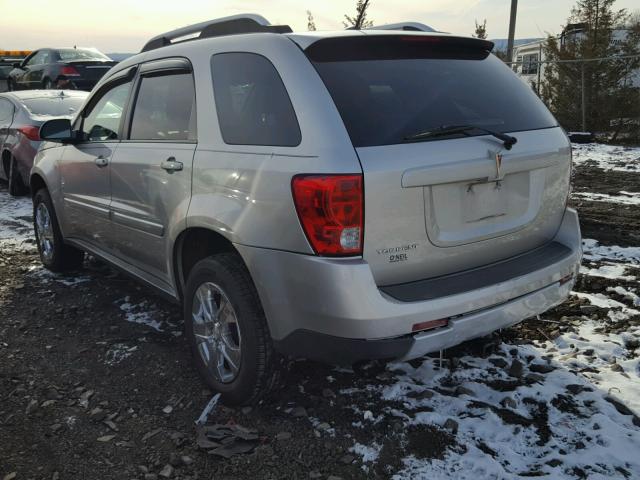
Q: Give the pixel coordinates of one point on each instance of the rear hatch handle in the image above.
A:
(481, 169)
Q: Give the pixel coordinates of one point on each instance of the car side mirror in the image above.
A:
(17, 65)
(57, 130)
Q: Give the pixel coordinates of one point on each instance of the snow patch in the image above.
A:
(594, 251)
(625, 198)
(607, 157)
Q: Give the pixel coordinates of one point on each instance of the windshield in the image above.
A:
(53, 106)
(383, 101)
(73, 54)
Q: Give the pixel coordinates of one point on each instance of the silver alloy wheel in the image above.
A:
(44, 229)
(217, 333)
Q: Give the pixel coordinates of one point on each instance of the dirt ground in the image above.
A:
(96, 381)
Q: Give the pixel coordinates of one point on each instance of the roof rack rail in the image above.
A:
(406, 26)
(232, 25)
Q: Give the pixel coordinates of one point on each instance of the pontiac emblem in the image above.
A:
(498, 166)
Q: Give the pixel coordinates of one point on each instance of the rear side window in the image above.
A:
(165, 109)
(389, 88)
(252, 103)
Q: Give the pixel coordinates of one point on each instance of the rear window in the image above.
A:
(53, 106)
(75, 54)
(389, 88)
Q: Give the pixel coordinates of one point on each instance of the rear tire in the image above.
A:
(16, 183)
(241, 332)
(47, 84)
(54, 253)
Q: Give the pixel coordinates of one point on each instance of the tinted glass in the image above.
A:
(53, 106)
(165, 109)
(384, 100)
(103, 121)
(252, 102)
(6, 112)
(71, 54)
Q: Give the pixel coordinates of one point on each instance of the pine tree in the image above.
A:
(608, 93)
(311, 23)
(481, 29)
(359, 21)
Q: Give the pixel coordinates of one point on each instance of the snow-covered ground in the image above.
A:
(607, 157)
(16, 226)
(563, 407)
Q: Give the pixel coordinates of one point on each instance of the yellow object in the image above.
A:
(15, 53)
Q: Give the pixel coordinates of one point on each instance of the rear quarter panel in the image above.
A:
(244, 191)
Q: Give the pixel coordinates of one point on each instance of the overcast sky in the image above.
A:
(125, 25)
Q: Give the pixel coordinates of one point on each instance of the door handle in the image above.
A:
(101, 161)
(171, 165)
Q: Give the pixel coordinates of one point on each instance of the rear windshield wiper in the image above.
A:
(444, 130)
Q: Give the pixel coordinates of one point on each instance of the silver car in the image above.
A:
(21, 115)
(373, 194)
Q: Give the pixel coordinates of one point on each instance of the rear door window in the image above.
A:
(165, 109)
(252, 103)
(389, 88)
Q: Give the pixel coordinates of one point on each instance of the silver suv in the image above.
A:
(376, 194)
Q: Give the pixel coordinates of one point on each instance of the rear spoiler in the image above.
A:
(388, 46)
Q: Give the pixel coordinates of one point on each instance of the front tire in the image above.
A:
(54, 253)
(227, 331)
(16, 183)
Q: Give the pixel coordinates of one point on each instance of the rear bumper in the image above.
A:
(332, 310)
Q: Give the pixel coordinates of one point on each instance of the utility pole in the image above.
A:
(512, 29)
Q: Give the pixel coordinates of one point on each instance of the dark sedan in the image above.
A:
(68, 68)
(21, 114)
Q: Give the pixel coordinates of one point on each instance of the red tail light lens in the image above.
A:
(331, 211)
(69, 72)
(31, 132)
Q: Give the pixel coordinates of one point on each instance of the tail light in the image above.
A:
(31, 132)
(331, 211)
(68, 71)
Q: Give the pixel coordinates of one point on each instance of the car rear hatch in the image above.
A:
(446, 201)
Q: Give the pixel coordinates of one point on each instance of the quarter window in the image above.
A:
(102, 122)
(252, 103)
(165, 109)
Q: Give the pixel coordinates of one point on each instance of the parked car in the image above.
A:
(21, 114)
(346, 196)
(68, 68)
(7, 59)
